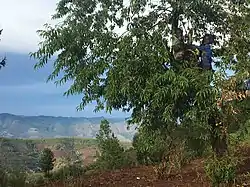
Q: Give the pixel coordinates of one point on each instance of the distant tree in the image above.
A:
(3, 61)
(47, 161)
(73, 156)
(111, 152)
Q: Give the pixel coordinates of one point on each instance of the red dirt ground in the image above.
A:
(191, 175)
(88, 153)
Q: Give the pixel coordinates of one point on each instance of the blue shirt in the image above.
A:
(206, 56)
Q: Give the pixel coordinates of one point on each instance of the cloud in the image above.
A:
(22, 89)
(20, 21)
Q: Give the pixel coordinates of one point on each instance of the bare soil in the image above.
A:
(192, 175)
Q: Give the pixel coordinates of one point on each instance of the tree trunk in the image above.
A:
(219, 145)
(218, 138)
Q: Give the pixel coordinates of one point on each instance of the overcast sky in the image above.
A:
(22, 89)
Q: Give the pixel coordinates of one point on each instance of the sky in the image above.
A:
(23, 90)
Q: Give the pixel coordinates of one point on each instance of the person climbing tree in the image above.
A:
(181, 49)
(206, 52)
(178, 45)
(202, 53)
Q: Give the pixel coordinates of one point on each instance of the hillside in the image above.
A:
(18, 153)
(16, 126)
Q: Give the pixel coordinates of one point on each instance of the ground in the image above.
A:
(87, 147)
(191, 175)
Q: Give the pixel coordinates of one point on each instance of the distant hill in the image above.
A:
(17, 126)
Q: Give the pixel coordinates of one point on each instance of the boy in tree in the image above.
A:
(206, 52)
(178, 45)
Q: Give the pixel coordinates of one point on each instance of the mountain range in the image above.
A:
(30, 127)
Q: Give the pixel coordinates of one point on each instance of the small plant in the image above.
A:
(149, 146)
(221, 170)
(35, 179)
(197, 147)
(130, 157)
(68, 171)
(173, 160)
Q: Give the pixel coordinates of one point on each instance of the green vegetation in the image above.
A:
(221, 170)
(111, 154)
(150, 147)
(46, 161)
(19, 154)
(183, 111)
(146, 149)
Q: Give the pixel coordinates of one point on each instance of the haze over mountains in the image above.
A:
(17, 126)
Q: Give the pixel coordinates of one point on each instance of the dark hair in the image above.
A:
(210, 37)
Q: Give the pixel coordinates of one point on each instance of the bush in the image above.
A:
(17, 179)
(3, 178)
(197, 147)
(149, 146)
(130, 158)
(68, 171)
(12, 178)
(175, 157)
(35, 179)
(221, 170)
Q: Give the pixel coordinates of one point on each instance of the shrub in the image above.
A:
(197, 147)
(221, 170)
(174, 158)
(3, 178)
(35, 179)
(12, 178)
(68, 171)
(149, 147)
(16, 178)
(130, 158)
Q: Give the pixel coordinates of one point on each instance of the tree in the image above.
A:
(123, 71)
(150, 147)
(47, 161)
(111, 152)
(73, 157)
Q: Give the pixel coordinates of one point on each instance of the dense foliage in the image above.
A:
(113, 53)
(111, 154)
(46, 161)
(150, 147)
